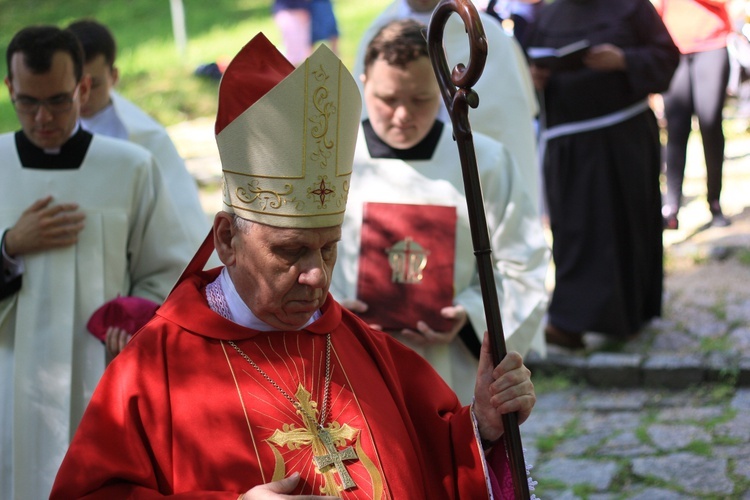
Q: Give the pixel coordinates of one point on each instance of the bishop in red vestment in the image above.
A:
(252, 380)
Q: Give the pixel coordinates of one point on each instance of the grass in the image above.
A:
(154, 74)
(548, 442)
(544, 383)
(744, 257)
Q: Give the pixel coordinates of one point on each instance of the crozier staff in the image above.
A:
(458, 95)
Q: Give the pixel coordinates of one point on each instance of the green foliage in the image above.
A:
(741, 481)
(641, 432)
(550, 383)
(700, 448)
(743, 256)
(714, 344)
(699, 258)
(153, 72)
(583, 490)
(548, 442)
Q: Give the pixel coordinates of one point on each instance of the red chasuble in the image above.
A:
(179, 411)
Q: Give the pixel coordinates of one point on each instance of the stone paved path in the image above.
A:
(666, 416)
(640, 443)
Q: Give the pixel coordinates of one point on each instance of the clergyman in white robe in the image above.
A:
(519, 252)
(124, 120)
(507, 101)
(132, 244)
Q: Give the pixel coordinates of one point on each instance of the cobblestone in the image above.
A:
(689, 472)
(679, 427)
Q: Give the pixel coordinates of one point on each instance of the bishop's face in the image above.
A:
(402, 103)
(282, 274)
(49, 126)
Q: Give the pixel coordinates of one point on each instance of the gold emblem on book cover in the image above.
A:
(408, 260)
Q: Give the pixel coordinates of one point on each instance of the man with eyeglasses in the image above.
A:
(84, 219)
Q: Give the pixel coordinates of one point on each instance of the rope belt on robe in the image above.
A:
(581, 126)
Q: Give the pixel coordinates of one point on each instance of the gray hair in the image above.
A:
(242, 225)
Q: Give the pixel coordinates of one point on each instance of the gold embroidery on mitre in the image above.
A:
(324, 443)
(264, 198)
(407, 259)
(320, 122)
(300, 131)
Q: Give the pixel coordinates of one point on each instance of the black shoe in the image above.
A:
(569, 340)
(717, 216)
(719, 220)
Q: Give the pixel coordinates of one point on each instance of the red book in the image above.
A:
(406, 264)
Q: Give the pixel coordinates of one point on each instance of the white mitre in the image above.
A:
(286, 136)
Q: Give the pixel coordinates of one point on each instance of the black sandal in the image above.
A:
(558, 337)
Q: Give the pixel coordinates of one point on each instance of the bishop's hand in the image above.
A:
(505, 388)
(279, 489)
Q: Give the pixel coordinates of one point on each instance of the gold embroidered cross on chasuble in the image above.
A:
(322, 437)
(324, 441)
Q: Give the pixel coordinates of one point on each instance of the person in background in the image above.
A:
(508, 103)
(514, 15)
(84, 219)
(602, 164)
(405, 154)
(293, 19)
(252, 381)
(110, 114)
(324, 27)
(698, 88)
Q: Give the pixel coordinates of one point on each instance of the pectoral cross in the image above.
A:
(336, 458)
(326, 455)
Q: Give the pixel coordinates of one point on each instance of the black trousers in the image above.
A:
(697, 88)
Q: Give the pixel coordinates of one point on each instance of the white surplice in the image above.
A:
(507, 100)
(519, 250)
(132, 244)
(141, 129)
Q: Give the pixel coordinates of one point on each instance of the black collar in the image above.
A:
(422, 151)
(71, 153)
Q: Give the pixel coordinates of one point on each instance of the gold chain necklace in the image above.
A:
(334, 456)
(326, 385)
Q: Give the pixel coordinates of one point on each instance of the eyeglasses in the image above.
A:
(58, 104)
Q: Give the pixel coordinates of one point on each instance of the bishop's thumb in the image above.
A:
(285, 485)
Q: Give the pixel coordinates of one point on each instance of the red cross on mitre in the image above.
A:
(322, 191)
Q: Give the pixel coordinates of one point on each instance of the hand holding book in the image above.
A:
(605, 57)
(425, 335)
(568, 57)
(406, 265)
